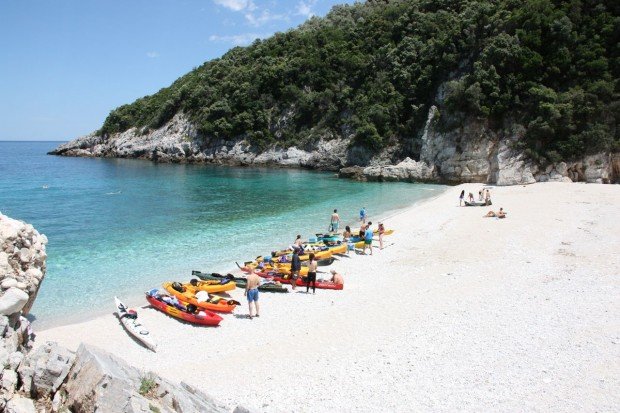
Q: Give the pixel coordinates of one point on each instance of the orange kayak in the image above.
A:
(215, 303)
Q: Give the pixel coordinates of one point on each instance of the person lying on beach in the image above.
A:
(492, 214)
(336, 278)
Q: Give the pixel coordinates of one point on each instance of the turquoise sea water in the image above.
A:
(120, 227)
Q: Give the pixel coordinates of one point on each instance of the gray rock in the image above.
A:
(8, 381)
(20, 404)
(13, 301)
(44, 370)
(25, 255)
(15, 359)
(4, 325)
(8, 283)
(101, 382)
(4, 356)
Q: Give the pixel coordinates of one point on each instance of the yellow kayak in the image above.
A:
(210, 286)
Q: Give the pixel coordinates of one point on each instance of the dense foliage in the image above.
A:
(376, 68)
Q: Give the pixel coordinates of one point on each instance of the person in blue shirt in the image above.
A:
(363, 215)
(368, 238)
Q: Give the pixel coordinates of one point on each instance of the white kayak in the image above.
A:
(133, 326)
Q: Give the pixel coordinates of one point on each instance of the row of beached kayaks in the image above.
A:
(198, 302)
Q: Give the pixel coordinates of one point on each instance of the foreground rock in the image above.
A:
(101, 382)
(22, 265)
(54, 379)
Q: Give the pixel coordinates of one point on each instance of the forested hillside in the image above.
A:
(375, 69)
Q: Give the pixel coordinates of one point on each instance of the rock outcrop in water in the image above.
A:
(51, 378)
(471, 153)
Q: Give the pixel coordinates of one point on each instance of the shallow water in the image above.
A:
(120, 227)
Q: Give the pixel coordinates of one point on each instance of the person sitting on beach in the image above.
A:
(336, 278)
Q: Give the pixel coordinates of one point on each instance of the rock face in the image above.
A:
(52, 376)
(22, 265)
(178, 141)
(465, 151)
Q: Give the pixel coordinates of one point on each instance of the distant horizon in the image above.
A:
(64, 69)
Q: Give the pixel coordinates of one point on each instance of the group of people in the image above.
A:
(484, 198)
(365, 233)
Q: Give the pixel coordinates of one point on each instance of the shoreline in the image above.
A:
(459, 312)
(70, 319)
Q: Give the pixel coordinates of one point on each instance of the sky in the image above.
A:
(65, 64)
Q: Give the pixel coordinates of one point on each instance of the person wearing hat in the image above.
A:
(337, 278)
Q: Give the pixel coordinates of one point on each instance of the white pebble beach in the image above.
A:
(457, 313)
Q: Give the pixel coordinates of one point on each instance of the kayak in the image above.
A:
(219, 304)
(467, 203)
(319, 253)
(284, 268)
(339, 248)
(129, 320)
(322, 284)
(203, 317)
(211, 286)
(270, 287)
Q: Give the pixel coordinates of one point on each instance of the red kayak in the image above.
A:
(324, 285)
(204, 317)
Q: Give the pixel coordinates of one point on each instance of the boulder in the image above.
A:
(8, 283)
(20, 404)
(101, 382)
(13, 301)
(44, 370)
(8, 383)
(15, 359)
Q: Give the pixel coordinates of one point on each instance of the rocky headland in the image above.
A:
(52, 378)
(471, 153)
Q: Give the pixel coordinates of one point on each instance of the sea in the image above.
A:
(123, 226)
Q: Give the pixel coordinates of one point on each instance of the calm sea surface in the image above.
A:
(120, 227)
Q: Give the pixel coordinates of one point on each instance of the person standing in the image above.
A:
(334, 222)
(312, 265)
(368, 238)
(381, 232)
(346, 238)
(363, 215)
(462, 197)
(251, 292)
(295, 268)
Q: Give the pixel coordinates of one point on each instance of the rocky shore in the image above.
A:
(472, 152)
(52, 378)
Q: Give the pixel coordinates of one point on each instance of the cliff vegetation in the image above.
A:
(372, 71)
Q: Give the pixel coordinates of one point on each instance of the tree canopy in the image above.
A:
(375, 69)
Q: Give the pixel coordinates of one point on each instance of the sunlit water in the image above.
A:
(120, 227)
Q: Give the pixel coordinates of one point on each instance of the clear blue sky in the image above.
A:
(65, 64)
